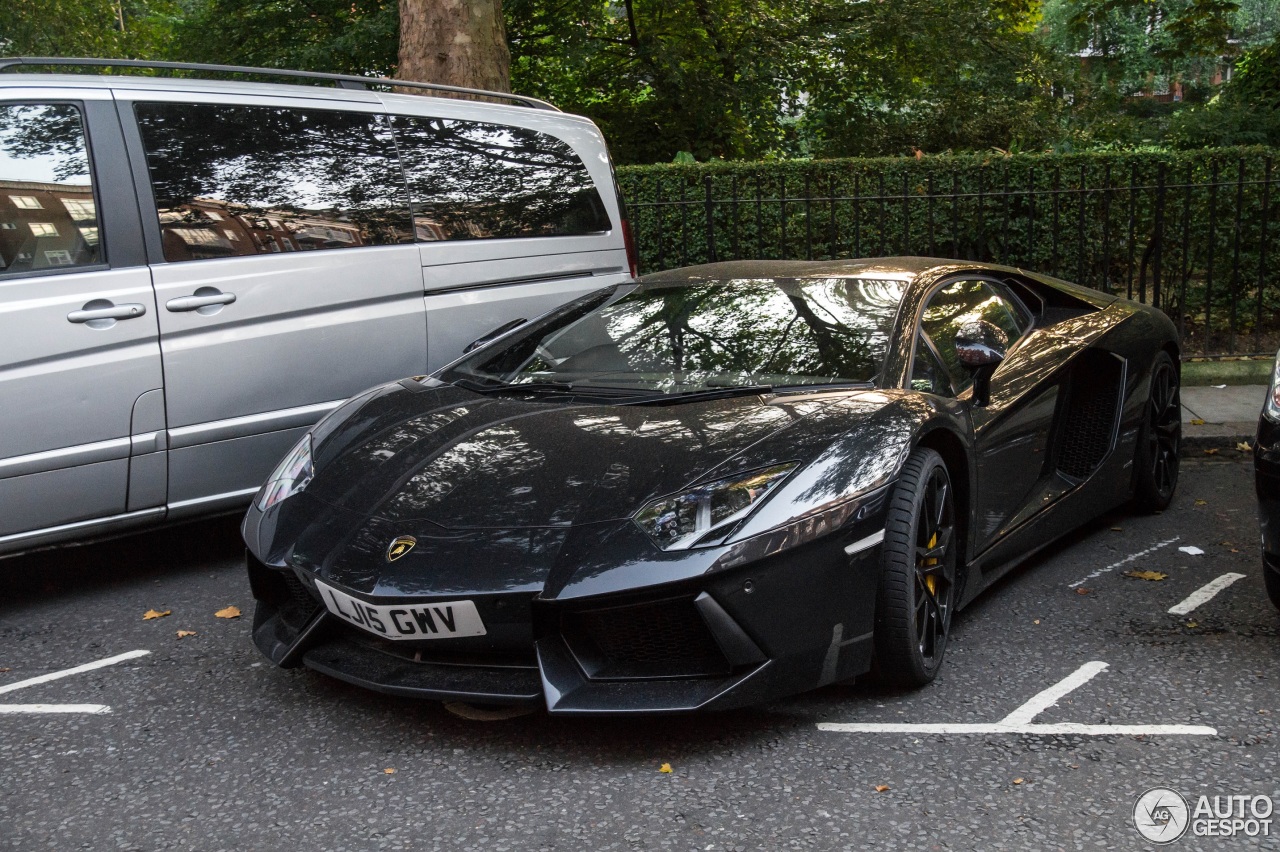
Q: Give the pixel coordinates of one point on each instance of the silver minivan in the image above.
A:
(194, 271)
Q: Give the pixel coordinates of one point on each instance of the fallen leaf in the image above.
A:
(1017, 780)
(1083, 591)
(1037, 621)
(1234, 550)
(1212, 452)
(1117, 529)
(226, 612)
(2, 671)
(183, 634)
(1146, 575)
(666, 767)
(1244, 447)
(389, 771)
(882, 788)
(1197, 422)
(152, 613)
(1193, 624)
(1202, 502)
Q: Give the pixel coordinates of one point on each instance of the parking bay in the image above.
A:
(205, 746)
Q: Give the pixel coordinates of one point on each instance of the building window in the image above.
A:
(43, 229)
(26, 202)
(61, 257)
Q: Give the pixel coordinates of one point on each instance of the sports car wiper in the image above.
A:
(507, 387)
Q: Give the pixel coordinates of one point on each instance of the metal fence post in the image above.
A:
(709, 205)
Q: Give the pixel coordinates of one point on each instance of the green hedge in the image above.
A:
(1150, 225)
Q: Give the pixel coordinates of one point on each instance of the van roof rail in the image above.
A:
(342, 81)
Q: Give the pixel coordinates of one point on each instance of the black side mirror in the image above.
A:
(980, 347)
(493, 335)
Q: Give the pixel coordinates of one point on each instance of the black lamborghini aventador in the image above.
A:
(718, 485)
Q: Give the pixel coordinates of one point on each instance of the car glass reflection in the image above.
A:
(48, 218)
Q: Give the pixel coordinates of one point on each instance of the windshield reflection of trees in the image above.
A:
(731, 332)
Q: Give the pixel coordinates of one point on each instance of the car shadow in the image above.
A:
(78, 569)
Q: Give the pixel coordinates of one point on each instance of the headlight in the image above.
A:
(289, 477)
(1272, 407)
(678, 522)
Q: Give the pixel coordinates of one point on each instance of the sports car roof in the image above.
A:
(896, 267)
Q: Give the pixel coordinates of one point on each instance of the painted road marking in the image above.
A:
(1205, 593)
(12, 709)
(46, 678)
(1125, 561)
(1042, 701)
(1020, 720)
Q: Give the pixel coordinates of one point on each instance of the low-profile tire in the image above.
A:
(917, 591)
(1155, 463)
(1271, 579)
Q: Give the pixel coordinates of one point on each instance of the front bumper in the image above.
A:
(782, 624)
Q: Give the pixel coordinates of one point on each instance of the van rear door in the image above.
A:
(514, 209)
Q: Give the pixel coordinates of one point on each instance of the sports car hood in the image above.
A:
(411, 451)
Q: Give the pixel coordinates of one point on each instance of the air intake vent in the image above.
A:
(1092, 405)
(658, 639)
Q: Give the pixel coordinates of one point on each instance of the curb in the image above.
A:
(1196, 445)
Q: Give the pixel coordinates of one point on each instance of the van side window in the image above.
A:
(240, 180)
(472, 181)
(48, 219)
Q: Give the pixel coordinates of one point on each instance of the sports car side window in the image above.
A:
(927, 373)
(960, 302)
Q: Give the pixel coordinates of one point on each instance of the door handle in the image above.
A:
(206, 300)
(102, 313)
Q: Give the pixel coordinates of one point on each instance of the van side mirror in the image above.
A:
(980, 347)
(488, 337)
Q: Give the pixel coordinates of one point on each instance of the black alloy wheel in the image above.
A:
(917, 592)
(1156, 464)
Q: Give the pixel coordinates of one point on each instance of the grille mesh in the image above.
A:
(658, 639)
(1090, 417)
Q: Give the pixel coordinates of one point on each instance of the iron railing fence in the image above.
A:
(1194, 239)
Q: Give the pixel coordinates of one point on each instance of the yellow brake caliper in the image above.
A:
(931, 581)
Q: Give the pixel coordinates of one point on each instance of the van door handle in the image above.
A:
(102, 313)
(205, 300)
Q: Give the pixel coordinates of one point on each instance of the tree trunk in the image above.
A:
(455, 42)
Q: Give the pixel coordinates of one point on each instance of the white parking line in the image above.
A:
(1113, 566)
(11, 709)
(1019, 721)
(1205, 593)
(1042, 701)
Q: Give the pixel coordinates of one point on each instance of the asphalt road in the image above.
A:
(208, 747)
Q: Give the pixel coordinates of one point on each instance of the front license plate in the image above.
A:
(405, 621)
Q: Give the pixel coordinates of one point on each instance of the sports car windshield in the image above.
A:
(702, 336)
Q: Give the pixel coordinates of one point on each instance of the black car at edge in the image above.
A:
(716, 486)
(1266, 473)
